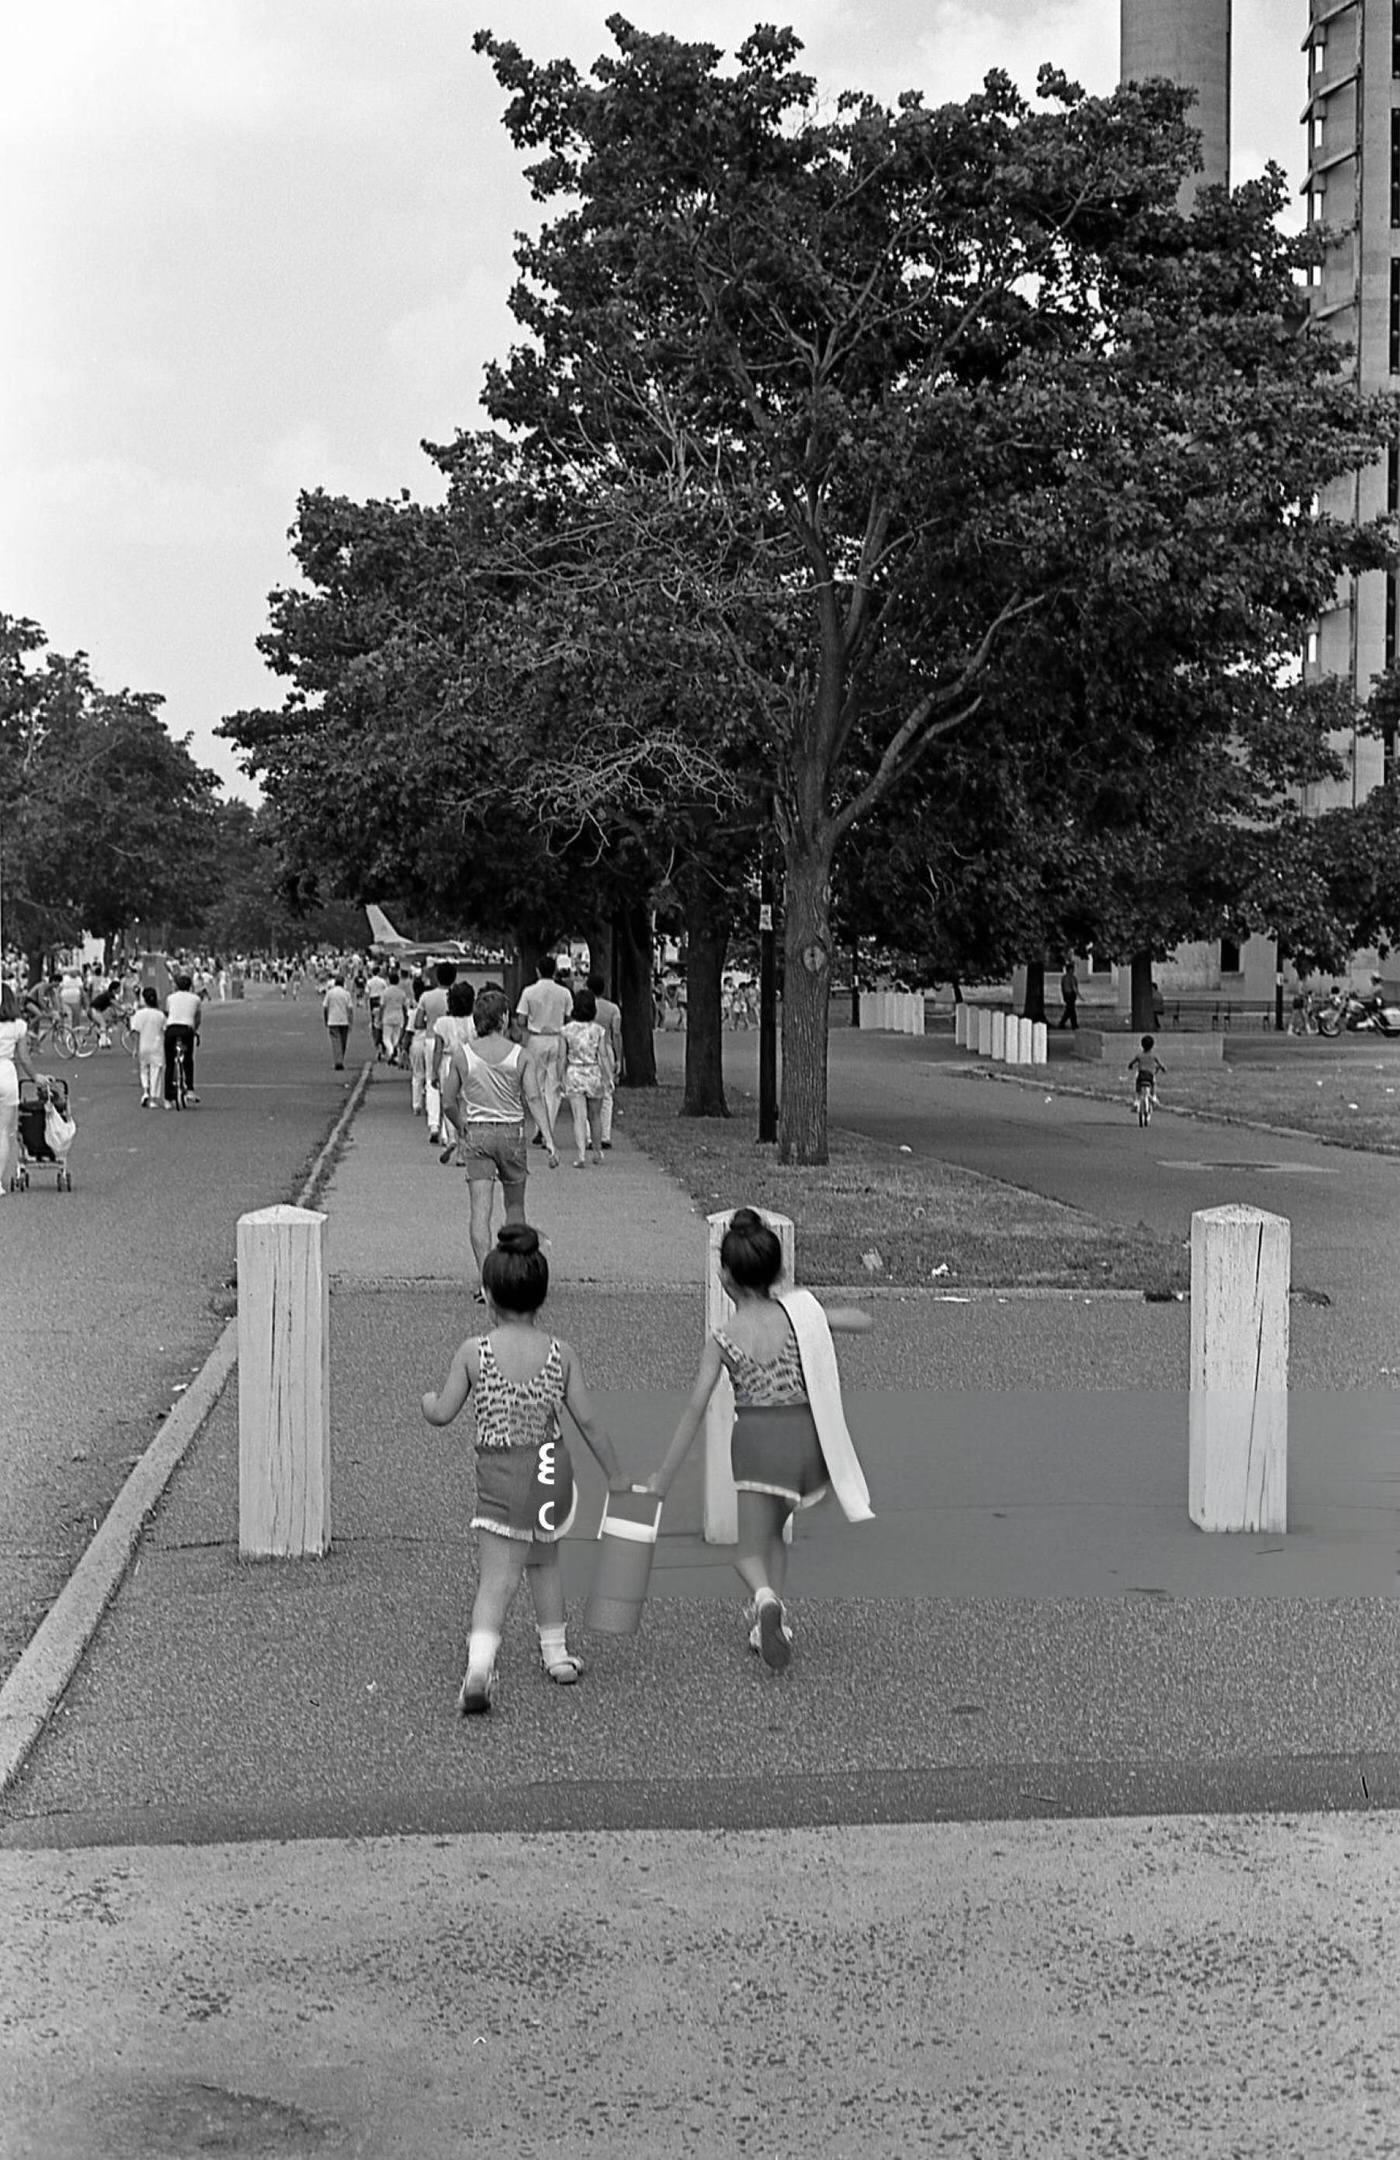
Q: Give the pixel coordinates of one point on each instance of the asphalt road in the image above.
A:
(111, 1296)
(1343, 1205)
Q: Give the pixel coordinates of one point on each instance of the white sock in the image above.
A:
(481, 1650)
(552, 1645)
(763, 1597)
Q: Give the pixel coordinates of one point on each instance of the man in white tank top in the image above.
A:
(487, 1086)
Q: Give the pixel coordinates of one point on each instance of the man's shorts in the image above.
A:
(490, 1151)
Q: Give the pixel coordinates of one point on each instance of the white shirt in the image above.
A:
(149, 1024)
(182, 1009)
(544, 1007)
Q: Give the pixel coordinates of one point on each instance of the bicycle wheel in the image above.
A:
(85, 1038)
(128, 1038)
(63, 1040)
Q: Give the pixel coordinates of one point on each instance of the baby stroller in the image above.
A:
(37, 1151)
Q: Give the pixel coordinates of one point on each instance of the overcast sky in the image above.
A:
(251, 246)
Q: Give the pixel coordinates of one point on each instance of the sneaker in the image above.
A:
(448, 1153)
(773, 1645)
(755, 1642)
(607, 1147)
(474, 1695)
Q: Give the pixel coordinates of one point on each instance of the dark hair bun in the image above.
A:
(518, 1237)
(746, 1218)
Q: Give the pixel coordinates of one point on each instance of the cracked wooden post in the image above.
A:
(1238, 1478)
(284, 1438)
(721, 1500)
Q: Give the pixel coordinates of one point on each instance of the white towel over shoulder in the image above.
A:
(823, 1383)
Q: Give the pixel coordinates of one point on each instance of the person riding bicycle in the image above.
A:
(1145, 1066)
(182, 1010)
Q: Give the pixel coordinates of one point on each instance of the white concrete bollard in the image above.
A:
(284, 1429)
(920, 1017)
(1040, 1043)
(998, 1034)
(721, 1501)
(984, 1032)
(960, 1024)
(1014, 1053)
(1238, 1478)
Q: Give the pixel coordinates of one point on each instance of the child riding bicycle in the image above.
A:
(1145, 1066)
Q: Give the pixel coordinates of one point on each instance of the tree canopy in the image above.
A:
(104, 816)
(961, 397)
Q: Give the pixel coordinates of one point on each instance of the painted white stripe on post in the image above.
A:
(1238, 1476)
(721, 1500)
(284, 1439)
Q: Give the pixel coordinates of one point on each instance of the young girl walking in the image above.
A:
(790, 1444)
(525, 1492)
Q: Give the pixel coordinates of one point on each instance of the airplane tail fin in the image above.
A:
(381, 929)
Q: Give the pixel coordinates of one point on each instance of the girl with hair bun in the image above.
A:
(790, 1445)
(525, 1491)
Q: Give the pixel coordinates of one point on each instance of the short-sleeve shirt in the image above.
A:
(149, 1024)
(339, 1005)
(182, 1009)
(544, 1007)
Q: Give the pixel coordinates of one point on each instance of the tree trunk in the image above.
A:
(806, 991)
(1143, 1021)
(707, 941)
(1034, 1006)
(598, 935)
(633, 994)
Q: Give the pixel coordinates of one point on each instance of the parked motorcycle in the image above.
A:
(1359, 1016)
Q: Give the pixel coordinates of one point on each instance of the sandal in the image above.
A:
(565, 1670)
(474, 1695)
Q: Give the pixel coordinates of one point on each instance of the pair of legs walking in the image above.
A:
(588, 1127)
(503, 1561)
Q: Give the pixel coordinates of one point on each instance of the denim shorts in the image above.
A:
(490, 1151)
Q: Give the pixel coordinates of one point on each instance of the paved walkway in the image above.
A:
(814, 1894)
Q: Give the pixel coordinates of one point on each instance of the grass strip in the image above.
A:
(1345, 1096)
(874, 1214)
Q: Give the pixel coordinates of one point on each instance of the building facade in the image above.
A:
(1353, 121)
(1187, 42)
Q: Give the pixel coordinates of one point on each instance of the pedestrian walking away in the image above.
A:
(610, 1020)
(1069, 992)
(544, 1007)
(431, 1007)
(585, 1042)
(487, 1087)
(526, 1497)
(393, 1013)
(456, 1026)
(14, 1066)
(149, 1024)
(338, 1006)
(790, 1445)
(375, 987)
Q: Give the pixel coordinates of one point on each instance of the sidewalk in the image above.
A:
(1030, 1628)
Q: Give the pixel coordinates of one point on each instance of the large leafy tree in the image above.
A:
(935, 377)
(104, 816)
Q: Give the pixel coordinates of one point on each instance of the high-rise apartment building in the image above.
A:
(1188, 42)
(1353, 122)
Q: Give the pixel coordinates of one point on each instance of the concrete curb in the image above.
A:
(49, 1660)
